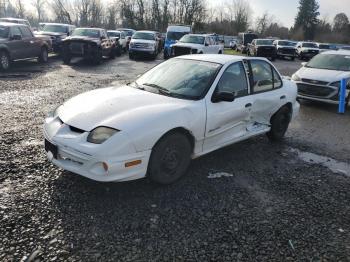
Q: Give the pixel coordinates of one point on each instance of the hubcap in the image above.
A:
(170, 160)
(4, 61)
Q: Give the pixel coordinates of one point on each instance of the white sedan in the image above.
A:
(319, 79)
(181, 109)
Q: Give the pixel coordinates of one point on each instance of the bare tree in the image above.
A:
(60, 9)
(240, 13)
(263, 23)
(19, 5)
(39, 8)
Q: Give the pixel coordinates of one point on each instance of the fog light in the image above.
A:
(133, 163)
(105, 166)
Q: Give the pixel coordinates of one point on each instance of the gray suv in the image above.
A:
(17, 42)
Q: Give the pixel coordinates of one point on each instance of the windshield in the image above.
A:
(93, 33)
(264, 42)
(55, 28)
(324, 47)
(286, 43)
(175, 35)
(113, 34)
(311, 45)
(330, 62)
(4, 32)
(193, 78)
(193, 39)
(143, 35)
(127, 32)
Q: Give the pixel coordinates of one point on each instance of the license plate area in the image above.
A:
(49, 147)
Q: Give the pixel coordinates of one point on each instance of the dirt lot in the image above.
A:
(253, 201)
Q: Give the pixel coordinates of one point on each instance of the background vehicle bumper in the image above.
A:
(141, 51)
(324, 100)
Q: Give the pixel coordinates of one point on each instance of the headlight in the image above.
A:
(131, 44)
(296, 78)
(101, 134)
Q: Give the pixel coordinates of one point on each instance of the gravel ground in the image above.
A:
(253, 201)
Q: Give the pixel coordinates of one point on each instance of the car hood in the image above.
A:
(50, 33)
(143, 41)
(285, 46)
(190, 45)
(309, 48)
(81, 38)
(322, 74)
(117, 107)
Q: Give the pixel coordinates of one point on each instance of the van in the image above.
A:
(173, 34)
(244, 40)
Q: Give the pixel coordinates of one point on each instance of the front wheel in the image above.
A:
(170, 158)
(44, 56)
(279, 124)
(4, 61)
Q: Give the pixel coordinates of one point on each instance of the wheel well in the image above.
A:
(6, 51)
(183, 131)
(288, 105)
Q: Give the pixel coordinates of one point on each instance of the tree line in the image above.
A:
(228, 17)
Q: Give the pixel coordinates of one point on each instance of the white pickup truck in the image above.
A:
(196, 44)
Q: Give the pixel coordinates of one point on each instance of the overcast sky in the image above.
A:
(286, 10)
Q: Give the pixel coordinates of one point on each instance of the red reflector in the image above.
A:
(133, 163)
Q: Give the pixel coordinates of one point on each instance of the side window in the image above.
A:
(15, 31)
(262, 76)
(234, 80)
(277, 83)
(122, 34)
(26, 32)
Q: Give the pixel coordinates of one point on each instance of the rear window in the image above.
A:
(311, 45)
(143, 35)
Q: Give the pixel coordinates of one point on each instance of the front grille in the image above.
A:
(315, 82)
(179, 50)
(140, 45)
(77, 48)
(313, 90)
(288, 51)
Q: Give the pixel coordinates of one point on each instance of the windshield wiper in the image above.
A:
(136, 85)
(167, 92)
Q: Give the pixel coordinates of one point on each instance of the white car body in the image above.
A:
(209, 46)
(144, 46)
(143, 118)
(121, 38)
(285, 50)
(306, 52)
(318, 84)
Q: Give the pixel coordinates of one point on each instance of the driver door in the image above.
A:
(227, 121)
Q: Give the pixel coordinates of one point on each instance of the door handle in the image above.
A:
(248, 105)
(283, 97)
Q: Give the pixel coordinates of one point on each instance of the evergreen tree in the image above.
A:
(307, 18)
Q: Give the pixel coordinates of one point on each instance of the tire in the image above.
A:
(112, 54)
(44, 55)
(118, 51)
(5, 61)
(170, 159)
(131, 56)
(98, 57)
(220, 52)
(292, 58)
(66, 57)
(279, 124)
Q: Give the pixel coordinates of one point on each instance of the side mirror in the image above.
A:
(304, 64)
(223, 96)
(16, 37)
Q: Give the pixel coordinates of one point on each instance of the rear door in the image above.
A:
(268, 94)
(32, 44)
(227, 121)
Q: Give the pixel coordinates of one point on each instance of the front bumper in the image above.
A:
(71, 157)
(141, 51)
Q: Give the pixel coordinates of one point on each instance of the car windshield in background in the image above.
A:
(193, 39)
(113, 34)
(175, 35)
(55, 28)
(128, 32)
(286, 43)
(324, 47)
(142, 35)
(311, 45)
(264, 42)
(193, 78)
(93, 33)
(330, 62)
(4, 32)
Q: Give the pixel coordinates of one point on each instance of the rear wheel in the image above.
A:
(279, 124)
(112, 53)
(170, 159)
(4, 61)
(98, 57)
(44, 56)
(131, 56)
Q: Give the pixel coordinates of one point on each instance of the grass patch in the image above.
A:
(232, 52)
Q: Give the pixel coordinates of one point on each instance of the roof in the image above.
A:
(11, 24)
(114, 31)
(56, 24)
(146, 31)
(14, 19)
(93, 28)
(216, 58)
